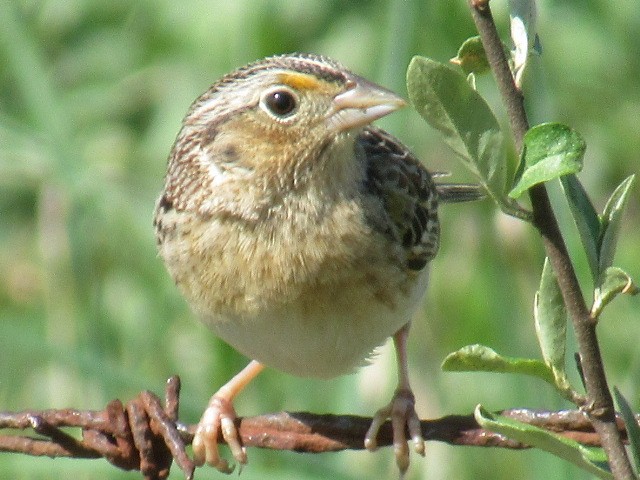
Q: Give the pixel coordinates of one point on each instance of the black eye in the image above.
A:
(280, 102)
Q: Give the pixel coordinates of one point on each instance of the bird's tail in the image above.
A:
(459, 192)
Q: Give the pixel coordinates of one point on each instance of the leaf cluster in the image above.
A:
(449, 102)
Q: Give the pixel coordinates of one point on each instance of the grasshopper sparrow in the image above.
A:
(297, 232)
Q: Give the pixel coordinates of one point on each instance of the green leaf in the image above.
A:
(613, 282)
(586, 219)
(481, 358)
(631, 424)
(550, 317)
(471, 57)
(610, 223)
(550, 150)
(592, 460)
(446, 101)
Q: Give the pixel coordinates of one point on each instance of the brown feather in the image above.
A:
(408, 193)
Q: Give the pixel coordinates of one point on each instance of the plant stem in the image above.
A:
(599, 405)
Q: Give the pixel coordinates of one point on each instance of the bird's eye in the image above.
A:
(280, 103)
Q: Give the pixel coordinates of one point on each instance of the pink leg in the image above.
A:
(401, 411)
(220, 416)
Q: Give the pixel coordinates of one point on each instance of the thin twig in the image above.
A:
(599, 405)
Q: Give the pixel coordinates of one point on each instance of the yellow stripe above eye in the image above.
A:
(300, 81)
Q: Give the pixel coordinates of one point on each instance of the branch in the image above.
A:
(143, 435)
(599, 405)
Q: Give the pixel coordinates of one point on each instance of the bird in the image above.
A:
(299, 233)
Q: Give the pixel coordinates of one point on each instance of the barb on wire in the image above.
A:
(141, 435)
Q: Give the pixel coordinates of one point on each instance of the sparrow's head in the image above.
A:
(271, 123)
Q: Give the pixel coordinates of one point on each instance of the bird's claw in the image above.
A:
(218, 417)
(401, 410)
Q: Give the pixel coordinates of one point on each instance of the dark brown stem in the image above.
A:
(599, 404)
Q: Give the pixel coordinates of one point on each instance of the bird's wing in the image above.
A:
(408, 194)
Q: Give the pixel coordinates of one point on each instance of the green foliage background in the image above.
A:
(91, 96)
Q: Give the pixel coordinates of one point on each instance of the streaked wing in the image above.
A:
(408, 194)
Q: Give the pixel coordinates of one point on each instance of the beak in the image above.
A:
(361, 104)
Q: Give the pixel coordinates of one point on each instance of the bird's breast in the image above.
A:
(311, 291)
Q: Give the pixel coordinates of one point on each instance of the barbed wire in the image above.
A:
(144, 434)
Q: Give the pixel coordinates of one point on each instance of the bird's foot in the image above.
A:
(219, 417)
(402, 413)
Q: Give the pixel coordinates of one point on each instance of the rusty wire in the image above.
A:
(145, 435)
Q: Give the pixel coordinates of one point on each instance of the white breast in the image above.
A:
(331, 332)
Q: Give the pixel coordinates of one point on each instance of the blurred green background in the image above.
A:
(92, 94)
